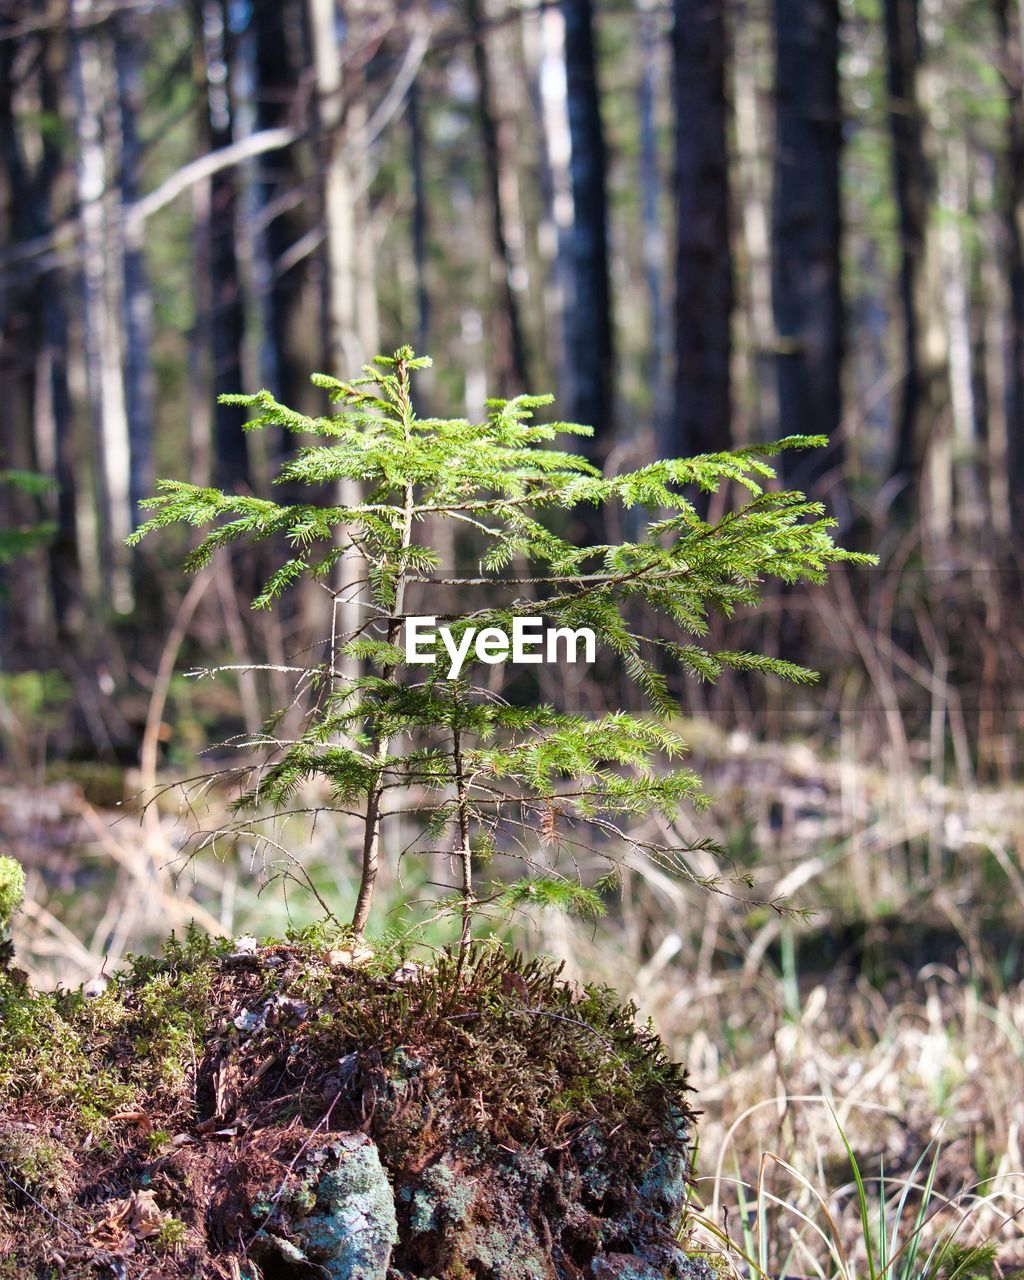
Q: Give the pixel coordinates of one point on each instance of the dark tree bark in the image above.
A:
(18, 631)
(925, 394)
(509, 346)
(16, 311)
(278, 27)
(806, 281)
(419, 222)
(140, 391)
(53, 393)
(1011, 198)
(225, 324)
(703, 307)
(34, 329)
(589, 343)
(651, 184)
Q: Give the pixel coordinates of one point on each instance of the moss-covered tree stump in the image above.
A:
(238, 1111)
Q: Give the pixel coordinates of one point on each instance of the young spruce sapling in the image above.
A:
(480, 773)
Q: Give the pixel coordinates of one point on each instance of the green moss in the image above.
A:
(169, 1019)
(91, 1058)
(12, 888)
(12, 1269)
(178, 955)
(707, 1264)
(35, 1163)
(45, 1055)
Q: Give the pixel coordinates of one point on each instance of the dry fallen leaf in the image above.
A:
(347, 957)
(226, 1087)
(146, 1218)
(111, 1230)
(136, 1218)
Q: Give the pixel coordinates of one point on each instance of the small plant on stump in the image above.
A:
(487, 774)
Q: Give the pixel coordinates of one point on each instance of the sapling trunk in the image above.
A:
(382, 745)
(465, 852)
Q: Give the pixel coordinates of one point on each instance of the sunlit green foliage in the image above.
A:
(23, 538)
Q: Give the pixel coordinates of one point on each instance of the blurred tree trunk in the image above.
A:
(957, 275)
(755, 380)
(102, 293)
(224, 323)
(990, 292)
(286, 357)
(806, 277)
(362, 22)
(925, 391)
(53, 409)
(543, 40)
(1011, 201)
(343, 343)
(140, 391)
(37, 431)
(703, 307)
(20, 628)
(507, 342)
(419, 221)
(344, 350)
(200, 378)
(15, 228)
(589, 328)
(652, 193)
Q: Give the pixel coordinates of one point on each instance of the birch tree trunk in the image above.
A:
(200, 417)
(420, 216)
(956, 280)
(103, 336)
(343, 343)
(360, 19)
